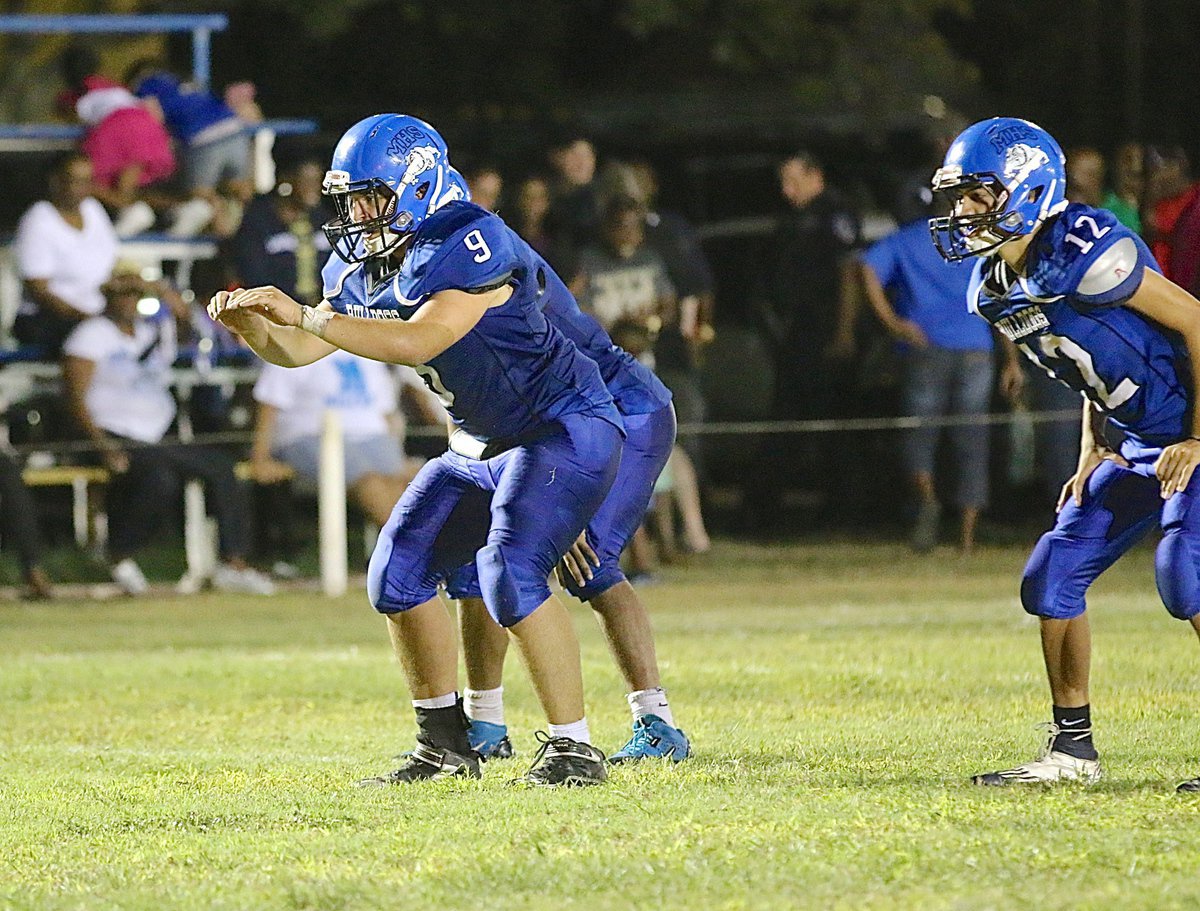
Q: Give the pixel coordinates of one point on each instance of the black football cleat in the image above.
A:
(1191, 786)
(426, 763)
(561, 762)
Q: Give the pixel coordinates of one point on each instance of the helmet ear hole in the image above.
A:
(1035, 194)
(422, 191)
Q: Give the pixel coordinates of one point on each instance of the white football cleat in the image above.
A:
(1052, 766)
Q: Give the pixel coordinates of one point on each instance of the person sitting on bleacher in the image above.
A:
(287, 432)
(127, 144)
(19, 524)
(65, 249)
(115, 369)
(214, 141)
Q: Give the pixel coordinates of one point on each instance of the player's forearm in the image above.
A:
(1091, 428)
(1191, 339)
(284, 346)
(391, 341)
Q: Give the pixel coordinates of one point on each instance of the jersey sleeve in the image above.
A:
(477, 256)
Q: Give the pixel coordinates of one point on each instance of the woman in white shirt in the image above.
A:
(65, 250)
(116, 371)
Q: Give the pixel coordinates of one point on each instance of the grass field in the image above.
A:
(198, 753)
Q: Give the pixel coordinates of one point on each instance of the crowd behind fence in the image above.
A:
(833, 361)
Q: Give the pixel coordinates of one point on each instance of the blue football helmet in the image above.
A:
(456, 188)
(388, 174)
(1015, 161)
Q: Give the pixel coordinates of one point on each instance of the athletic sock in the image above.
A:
(442, 726)
(576, 730)
(1074, 732)
(650, 702)
(485, 705)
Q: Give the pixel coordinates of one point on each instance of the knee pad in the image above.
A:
(513, 586)
(1052, 585)
(1177, 573)
(393, 582)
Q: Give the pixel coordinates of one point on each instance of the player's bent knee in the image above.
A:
(513, 586)
(604, 578)
(1177, 573)
(392, 585)
(1048, 586)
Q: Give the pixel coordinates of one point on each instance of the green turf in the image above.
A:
(198, 753)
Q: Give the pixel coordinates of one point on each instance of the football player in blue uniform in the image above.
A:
(591, 570)
(1081, 296)
(446, 287)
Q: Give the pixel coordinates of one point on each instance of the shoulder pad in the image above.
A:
(463, 247)
(1108, 270)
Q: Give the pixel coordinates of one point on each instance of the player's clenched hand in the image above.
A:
(1089, 461)
(233, 319)
(268, 301)
(578, 562)
(1175, 466)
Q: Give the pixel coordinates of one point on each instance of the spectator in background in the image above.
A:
(486, 186)
(1124, 200)
(65, 249)
(19, 528)
(812, 301)
(1173, 198)
(279, 241)
(677, 350)
(624, 284)
(574, 219)
(808, 311)
(115, 369)
(287, 431)
(531, 218)
(128, 146)
(1085, 176)
(215, 142)
(949, 367)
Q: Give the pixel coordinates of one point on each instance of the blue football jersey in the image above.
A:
(1066, 315)
(514, 371)
(633, 385)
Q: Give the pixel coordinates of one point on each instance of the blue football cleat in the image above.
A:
(489, 740)
(653, 738)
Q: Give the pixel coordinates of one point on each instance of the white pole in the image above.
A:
(331, 506)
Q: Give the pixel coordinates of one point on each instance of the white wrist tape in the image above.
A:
(315, 321)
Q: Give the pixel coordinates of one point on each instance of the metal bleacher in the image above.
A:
(50, 136)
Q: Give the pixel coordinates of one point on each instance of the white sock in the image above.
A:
(576, 730)
(651, 702)
(485, 705)
(437, 702)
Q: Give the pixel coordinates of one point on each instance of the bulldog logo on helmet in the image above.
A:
(1022, 160)
(419, 160)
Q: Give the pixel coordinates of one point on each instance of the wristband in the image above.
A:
(314, 321)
